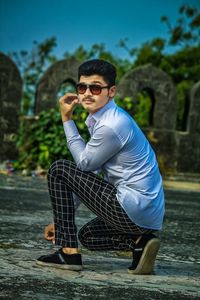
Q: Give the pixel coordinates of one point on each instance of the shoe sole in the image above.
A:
(147, 260)
(59, 266)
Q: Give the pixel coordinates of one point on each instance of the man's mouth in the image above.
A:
(88, 101)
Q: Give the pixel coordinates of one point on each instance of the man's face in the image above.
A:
(92, 102)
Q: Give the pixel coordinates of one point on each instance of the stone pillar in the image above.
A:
(10, 97)
(160, 84)
(49, 84)
(161, 133)
(188, 146)
(194, 113)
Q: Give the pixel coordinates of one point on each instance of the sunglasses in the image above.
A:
(95, 89)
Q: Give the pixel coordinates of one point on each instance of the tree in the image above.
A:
(183, 65)
(186, 31)
(32, 65)
(99, 51)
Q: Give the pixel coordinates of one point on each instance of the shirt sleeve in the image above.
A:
(101, 147)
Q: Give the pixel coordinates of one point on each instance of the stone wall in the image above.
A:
(158, 84)
(177, 151)
(194, 114)
(48, 87)
(10, 98)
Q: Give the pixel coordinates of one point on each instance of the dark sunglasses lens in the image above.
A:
(95, 89)
(81, 88)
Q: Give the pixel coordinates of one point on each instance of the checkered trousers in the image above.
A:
(110, 230)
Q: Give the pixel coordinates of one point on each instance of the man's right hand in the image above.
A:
(67, 105)
(49, 232)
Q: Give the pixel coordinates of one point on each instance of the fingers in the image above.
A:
(49, 232)
(67, 105)
(69, 99)
(50, 236)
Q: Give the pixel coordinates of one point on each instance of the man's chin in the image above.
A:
(88, 106)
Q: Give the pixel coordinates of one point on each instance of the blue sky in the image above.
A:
(76, 23)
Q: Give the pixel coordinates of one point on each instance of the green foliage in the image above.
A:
(139, 110)
(41, 140)
(186, 30)
(99, 51)
(184, 64)
(150, 52)
(143, 107)
(32, 65)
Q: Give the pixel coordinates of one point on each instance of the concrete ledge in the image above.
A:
(182, 185)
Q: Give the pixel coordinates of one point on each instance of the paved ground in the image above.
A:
(25, 210)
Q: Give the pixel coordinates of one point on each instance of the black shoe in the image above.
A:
(144, 255)
(61, 260)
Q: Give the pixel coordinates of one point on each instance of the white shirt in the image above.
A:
(119, 148)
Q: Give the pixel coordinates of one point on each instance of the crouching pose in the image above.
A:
(128, 202)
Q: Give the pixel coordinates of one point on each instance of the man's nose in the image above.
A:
(88, 92)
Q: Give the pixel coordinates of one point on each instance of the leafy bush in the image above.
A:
(138, 109)
(41, 140)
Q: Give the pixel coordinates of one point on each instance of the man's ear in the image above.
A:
(112, 91)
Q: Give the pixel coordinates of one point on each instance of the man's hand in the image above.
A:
(67, 105)
(49, 232)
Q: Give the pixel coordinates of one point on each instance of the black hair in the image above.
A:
(98, 67)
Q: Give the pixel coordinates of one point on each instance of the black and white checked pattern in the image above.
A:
(112, 229)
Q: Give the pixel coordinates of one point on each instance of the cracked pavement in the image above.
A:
(25, 210)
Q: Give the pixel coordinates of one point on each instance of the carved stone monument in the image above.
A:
(49, 84)
(194, 115)
(188, 143)
(160, 84)
(176, 151)
(10, 98)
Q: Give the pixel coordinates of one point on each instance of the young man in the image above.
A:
(128, 203)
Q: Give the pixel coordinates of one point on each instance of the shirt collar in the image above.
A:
(96, 116)
(111, 104)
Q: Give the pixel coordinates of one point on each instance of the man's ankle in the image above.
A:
(70, 250)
